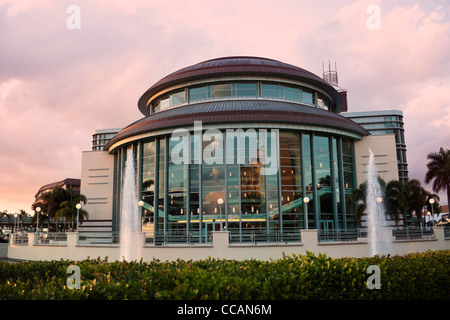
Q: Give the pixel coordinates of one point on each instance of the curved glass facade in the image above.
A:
(241, 89)
(249, 182)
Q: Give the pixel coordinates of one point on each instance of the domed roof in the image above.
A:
(239, 65)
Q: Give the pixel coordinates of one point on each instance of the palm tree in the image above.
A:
(357, 199)
(60, 202)
(417, 197)
(439, 171)
(68, 208)
(396, 201)
(50, 202)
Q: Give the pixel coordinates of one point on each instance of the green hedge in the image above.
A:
(413, 276)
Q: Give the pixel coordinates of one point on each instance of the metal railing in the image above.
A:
(188, 239)
(254, 237)
(20, 238)
(346, 235)
(51, 238)
(413, 233)
(447, 232)
(98, 238)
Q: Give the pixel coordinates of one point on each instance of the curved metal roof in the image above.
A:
(228, 66)
(235, 111)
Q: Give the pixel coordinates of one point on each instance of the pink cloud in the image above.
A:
(58, 85)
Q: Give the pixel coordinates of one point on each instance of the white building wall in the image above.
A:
(385, 153)
(220, 248)
(97, 178)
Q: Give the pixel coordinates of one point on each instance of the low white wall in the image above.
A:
(220, 248)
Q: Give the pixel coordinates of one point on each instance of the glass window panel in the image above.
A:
(289, 140)
(308, 174)
(323, 172)
(221, 90)
(233, 175)
(246, 89)
(199, 93)
(326, 205)
(178, 98)
(306, 146)
(291, 176)
(194, 177)
(348, 179)
(307, 96)
(291, 93)
(161, 186)
(213, 176)
(251, 175)
(270, 90)
(290, 162)
(209, 201)
(252, 200)
(321, 144)
(194, 205)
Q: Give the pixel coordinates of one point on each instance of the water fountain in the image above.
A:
(129, 214)
(378, 232)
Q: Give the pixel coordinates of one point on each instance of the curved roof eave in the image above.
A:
(234, 111)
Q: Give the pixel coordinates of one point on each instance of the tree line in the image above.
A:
(402, 200)
(58, 204)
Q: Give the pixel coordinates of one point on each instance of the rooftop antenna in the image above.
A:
(331, 77)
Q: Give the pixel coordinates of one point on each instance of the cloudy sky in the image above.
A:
(57, 84)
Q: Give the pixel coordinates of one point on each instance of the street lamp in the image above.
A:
(431, 201)
(16, 216)
(140, 204)
(38, 210)
(306, 200)
(220, 202)
(379, 200)
(78, 206)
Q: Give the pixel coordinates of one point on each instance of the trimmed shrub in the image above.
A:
(414, 276)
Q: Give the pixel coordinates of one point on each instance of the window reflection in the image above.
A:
(186, 196)
(241, 89)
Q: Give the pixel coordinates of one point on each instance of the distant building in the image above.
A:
(67, 183)
(386, 122)
(101, 137)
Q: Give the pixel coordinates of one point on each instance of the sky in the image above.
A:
(66, 72)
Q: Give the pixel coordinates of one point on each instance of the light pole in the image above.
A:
(78, 206)
(220, 202)
(16, 216)
(306, 200)
(38, 210)
(140, 204)
(431, 201)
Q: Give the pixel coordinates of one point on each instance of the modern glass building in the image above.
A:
(101, 137)
(250, 145)
(386, 122)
